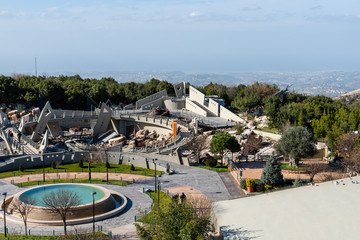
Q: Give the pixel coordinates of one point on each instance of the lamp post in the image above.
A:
(93, 197)
(154, 161)
(158, 193)
(43, 165)
(4, 194)
(107, 169)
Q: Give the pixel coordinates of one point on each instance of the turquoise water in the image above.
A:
(83, 191)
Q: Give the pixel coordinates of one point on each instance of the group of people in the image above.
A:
(11, 134)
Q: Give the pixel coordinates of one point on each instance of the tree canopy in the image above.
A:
(222, 141)
(71, 92)
(176, 221)
(297, 143)
(271, 174)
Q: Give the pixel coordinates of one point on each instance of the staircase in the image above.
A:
(20, 147)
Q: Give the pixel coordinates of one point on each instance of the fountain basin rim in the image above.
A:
(98, 217)
(107, 193)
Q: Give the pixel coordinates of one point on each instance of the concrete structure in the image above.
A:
(207, 109)
(196, 102)
(3, 119)
(327, 210)
(151, 101)
(180, 90)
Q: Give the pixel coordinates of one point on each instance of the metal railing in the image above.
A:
(70, 231)
(73, 114)
(27, 139)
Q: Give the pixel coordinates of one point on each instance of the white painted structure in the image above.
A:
(327, 210)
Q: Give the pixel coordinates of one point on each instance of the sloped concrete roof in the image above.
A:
(326, 211)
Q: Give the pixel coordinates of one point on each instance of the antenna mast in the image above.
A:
(35, 68)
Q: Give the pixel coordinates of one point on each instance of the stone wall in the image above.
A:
(33, 161)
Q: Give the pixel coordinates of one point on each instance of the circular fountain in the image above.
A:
(107, 203)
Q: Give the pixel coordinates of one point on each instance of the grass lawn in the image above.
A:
(78, 180)
(269, 130)
(285, 166)
(95, 167)
(164, 201)
(218, 168)
(98, 235)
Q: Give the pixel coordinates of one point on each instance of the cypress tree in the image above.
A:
(271, 174)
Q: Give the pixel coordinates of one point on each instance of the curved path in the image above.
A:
(186, 179)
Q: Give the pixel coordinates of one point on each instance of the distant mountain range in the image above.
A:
(329, 83)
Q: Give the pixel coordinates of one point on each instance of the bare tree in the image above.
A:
(201, 204)
(197, 144)
(61, 202)
(252, 144)
(347, 147)
(316, 168)
(24, 208)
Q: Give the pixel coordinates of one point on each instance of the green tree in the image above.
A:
(297, 143)
(247, 101)
(222, 141)
(234, 146)
(175, 221)
(271, 174)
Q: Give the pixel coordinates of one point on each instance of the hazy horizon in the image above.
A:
(197, 36)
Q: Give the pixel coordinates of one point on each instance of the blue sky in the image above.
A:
(190, 36)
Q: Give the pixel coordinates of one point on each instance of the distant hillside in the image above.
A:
(349, 96)
(328, 83)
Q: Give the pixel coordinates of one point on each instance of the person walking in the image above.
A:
(19, 136)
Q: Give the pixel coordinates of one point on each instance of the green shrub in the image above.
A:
(21, 167)
(107, 165)
(239, 128)
(260, 188)
(250, 182)
(132, 168)
(298, 182)
(211, 162)
(243, 183)
(53, 164)
(81, 164)
(267, 187)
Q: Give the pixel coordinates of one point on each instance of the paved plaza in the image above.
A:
(190, 180)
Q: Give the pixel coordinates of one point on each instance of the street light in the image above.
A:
(93, 197)
(154, 161)
(43, 165)
(158, 194)
(4, 194)
(107, 169)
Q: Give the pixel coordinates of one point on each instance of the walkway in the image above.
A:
(231, 185)
(190, 180)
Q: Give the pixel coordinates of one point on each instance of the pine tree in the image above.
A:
(271, 174)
